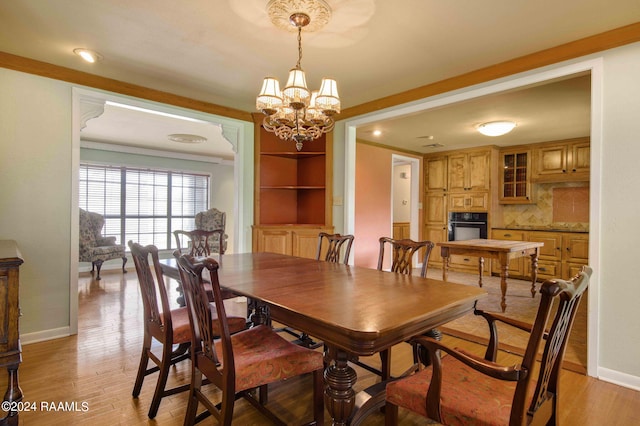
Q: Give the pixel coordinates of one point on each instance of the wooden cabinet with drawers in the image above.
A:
(297, 240)
(10, 350)
(469, 171)
(562, 256)
(562, 161)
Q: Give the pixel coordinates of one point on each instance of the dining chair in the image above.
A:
(238, 364)
(334, 247)
(402, 254)
(199, 241)
(163, 324)
(463, 388)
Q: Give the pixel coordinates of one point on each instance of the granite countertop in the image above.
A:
(548, 228)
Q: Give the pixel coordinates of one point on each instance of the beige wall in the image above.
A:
(35, 187)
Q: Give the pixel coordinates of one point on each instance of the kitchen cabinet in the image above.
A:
(469, 202)
(469, 171)
(562, 256)
(436, 233)
(516, 266)
(564, 161)
(435, 173)
(515, 177)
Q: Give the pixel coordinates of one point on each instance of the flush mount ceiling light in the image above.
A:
(496, 128)
(186, 138)
(296, 113)
(88, 55)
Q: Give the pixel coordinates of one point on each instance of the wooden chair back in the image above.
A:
(402, 252)
(260, 356)
(199, 241)
(198, 305)
(334, 246)
(161, 323)
(157, 311)
(533, 398)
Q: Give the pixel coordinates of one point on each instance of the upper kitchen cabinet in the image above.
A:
(435, 173)
(470, 170)
(515, 176)
(562, 161)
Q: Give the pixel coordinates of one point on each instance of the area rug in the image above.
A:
(521, 306)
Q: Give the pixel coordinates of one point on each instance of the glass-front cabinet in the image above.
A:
(515, 177)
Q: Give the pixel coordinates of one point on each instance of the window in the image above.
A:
(143, 205)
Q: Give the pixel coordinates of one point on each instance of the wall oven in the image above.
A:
(467, 226)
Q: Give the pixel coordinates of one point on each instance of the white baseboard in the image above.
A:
(618, 378)
(41, 336)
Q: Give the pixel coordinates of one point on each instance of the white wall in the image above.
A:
(402, 193)
(620, 287)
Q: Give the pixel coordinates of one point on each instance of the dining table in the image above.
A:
(355, 311)
(501, 250)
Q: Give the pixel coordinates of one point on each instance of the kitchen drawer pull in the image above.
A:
(507, 235)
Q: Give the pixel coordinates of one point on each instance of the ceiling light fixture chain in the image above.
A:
(296, 113)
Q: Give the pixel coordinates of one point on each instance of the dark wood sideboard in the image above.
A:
(10, 350)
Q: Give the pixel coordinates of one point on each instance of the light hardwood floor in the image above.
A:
(98, 367)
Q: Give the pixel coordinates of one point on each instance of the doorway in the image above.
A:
(594, 67)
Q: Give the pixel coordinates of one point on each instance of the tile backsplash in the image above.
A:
(558, 206)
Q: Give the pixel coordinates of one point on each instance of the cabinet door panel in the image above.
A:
(435, 174)
(275, 241)
(305, 243)
(457, 181)
(552, 249)
(478, 171)
(478, 201)
(581, 157)
(435, 234)
(552, 160)
(576, 248)
(436, 211)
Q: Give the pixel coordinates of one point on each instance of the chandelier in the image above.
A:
(296, 113)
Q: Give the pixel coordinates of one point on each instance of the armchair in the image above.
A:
(211, 220)
(94, 247)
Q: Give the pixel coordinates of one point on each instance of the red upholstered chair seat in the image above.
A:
(182, 327)
(461, 404)
(262, 357)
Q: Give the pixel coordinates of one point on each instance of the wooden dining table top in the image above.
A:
(360, 310)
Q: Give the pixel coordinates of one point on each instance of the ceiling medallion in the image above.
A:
(280, 12)
(186, 138)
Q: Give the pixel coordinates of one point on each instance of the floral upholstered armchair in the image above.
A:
(94, 247)
(211, 220)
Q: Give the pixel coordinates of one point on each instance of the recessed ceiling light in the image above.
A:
(377, 132)
(496, 128)
(88, 55)
(186, 138)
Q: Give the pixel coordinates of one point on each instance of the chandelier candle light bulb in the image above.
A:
(296, 113)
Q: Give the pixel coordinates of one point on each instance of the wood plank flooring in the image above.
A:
(97, 368)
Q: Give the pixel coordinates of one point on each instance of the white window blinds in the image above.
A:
(143, 205)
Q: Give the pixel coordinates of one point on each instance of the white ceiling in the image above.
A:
(219, 50)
